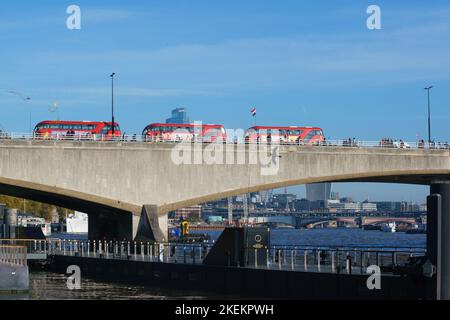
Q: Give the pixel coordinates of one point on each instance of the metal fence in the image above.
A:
(13, 255)
(189, 253)
(31, 246)
(351, 260)
(351, 143)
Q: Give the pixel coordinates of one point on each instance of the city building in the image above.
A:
(335, 205)
(318, 192)
(264, 196)
(410, 207)
(389, 206)
(303, 205)
(334, 196)
(347, 200)
(352, 206)
(283, 201)
(216, 220)
(423, 207)
(191, 213)
(368, 206)
(179, 115)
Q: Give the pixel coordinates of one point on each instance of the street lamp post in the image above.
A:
(112, 103)
(429, 114)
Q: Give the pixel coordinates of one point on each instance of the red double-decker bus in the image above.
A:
(76, 130)
(184, 132)
(294, 135)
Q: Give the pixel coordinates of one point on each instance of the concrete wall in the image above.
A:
(110, 179)
(246, 282)
(14, 278)
(125, 176)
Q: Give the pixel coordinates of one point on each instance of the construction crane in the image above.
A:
(230, 211)
(245, 204)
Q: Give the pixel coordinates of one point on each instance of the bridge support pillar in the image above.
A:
(438, 237)
(153, 225)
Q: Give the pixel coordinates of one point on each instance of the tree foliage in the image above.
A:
(34, 208)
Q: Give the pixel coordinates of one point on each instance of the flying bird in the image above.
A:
(20, 95)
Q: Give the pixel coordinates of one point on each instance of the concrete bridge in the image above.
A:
(128, 188)
(302, 222)
(379, 220)
(355, 221)
(310, 223)
(286, 220)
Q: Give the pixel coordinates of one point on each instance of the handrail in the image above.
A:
(352, 247)
(283, 257)
(398, 144)
(13, 255)
(31, 243)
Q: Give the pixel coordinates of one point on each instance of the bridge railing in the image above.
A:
(295, 258)
(192, 253)
(32, 246)
(187, 253)
(414, 249)
(143, 139)
(349, 260)
(330, 259)
(13, 255)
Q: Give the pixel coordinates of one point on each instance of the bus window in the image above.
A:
(107, 128)
(212, 135)
(312, 134)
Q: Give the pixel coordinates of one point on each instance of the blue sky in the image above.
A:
(299, 62)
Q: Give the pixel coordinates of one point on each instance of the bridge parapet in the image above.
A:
(116, 178)
(137, 138)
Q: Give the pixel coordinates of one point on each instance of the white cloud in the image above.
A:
(394, 55)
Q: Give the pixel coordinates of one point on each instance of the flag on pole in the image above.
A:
(253, 112)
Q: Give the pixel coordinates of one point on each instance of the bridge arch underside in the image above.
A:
(398, 177)
(108, 219)
(112, 219)
(380, 222)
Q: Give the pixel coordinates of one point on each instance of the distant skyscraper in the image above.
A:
(179, 115)
(318, 192)
(334, 196)
(265, 196)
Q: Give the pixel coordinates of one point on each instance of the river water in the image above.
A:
(49, 286)
(342, 237)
